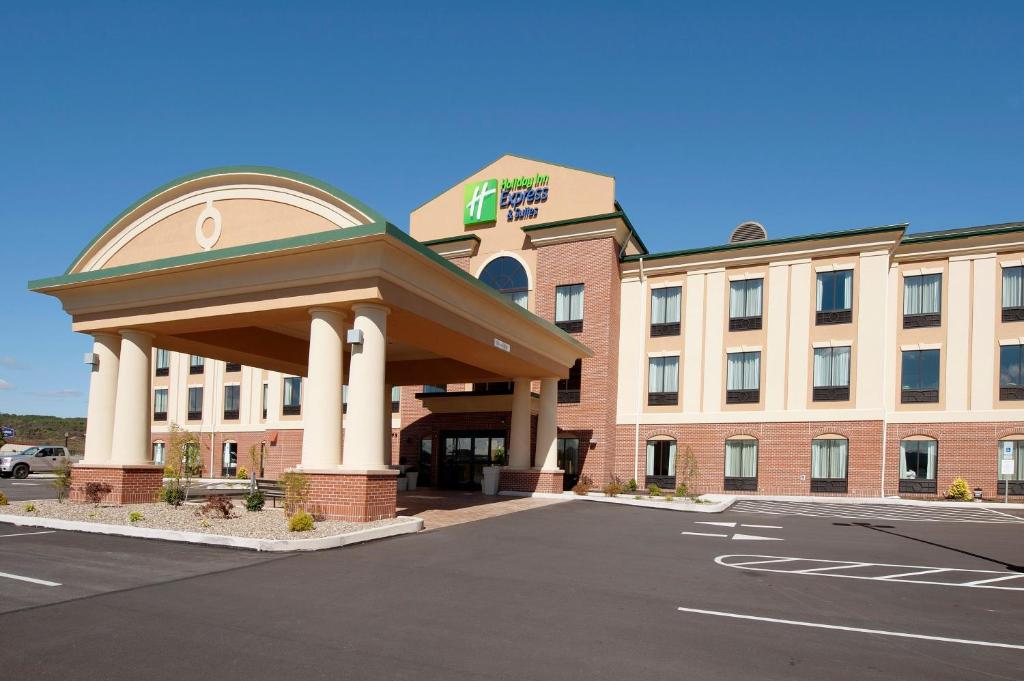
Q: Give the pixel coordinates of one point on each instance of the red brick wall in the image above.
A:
(354, 498)
(595, 265)
(284, 454)
(128, 485)
(530, 481)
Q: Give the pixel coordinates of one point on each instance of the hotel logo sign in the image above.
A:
(520, 197)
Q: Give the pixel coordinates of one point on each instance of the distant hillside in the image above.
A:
(38, 430)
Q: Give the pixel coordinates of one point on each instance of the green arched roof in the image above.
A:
(373, 215)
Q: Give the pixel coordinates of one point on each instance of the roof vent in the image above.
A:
(748, 231)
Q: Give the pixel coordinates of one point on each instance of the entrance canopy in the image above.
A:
(228, 264)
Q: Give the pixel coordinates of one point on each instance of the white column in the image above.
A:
(99, 427)
(321, 405)
(519, 447)
(363, 441)
(130, 442)
(546, 457)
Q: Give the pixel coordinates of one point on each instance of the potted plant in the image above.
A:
(492, 473)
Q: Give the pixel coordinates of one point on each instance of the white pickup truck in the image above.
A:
(42, 459)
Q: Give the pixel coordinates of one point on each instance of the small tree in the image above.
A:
(62, 483)
(687, 469)
(255, 463)
(296, 491)
(185, 460)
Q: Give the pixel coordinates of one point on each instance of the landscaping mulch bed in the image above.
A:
(270, 523)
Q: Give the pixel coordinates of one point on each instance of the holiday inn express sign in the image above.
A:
(519, 196)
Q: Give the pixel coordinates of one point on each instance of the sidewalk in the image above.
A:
(865, 500)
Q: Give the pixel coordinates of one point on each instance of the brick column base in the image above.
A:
(353, 496)
(128, 484)
(530, 480)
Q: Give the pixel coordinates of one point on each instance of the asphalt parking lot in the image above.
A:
(32, 487)
(574, 590)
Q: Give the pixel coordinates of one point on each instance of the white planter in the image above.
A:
(411, 478)
(492, 476)
(403, 484)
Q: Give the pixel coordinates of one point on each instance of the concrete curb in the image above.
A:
(892, 501)
(715, 507)
(408, 525)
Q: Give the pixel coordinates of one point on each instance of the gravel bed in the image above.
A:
(270, 523)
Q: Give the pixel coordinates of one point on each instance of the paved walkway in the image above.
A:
(441, 508)
(952, 513)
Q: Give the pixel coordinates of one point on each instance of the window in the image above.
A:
(163, 362)
(195, 403)
(920, 376)
(232, 367)
(745, 304)
(743, 380)
(829, 457)
(741, 465)
(663, 380)
(507, 276)
(831, 374)
(661, 463)
(396, 398)
(569, 388)
(229, 460)
(439, 388)
(918, 460)
(665, 311)
(494, 388)
(266, 395)
(344, 399)
(160, 404)
(1013, 294)
(1011, 372)
(196, 364)
(835, 297)
(922, 301)
(159, 452)
(292, 396)
(569, 308)
(569, 460)
(231, 398)
(1014, 450)
(425, 463)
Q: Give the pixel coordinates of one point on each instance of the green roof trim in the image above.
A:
(332, 236)
(451, 240)
(224, 170)
(769, 242)
(618, 214)
(963, 232)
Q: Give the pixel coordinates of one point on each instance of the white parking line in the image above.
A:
(704, 534)
(26, 484)
(25, 534)
(861, 630)
(906, 574)
(889, 512)
(33, 580)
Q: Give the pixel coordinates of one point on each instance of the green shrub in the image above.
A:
(300, 522)
(135, 517)
(631, 485)
(242, 474)
(30, 508)
(654, 490)
(62, 483)
(614, 487)
(583, 486)
(3, 499)
(682, 490)
(254, 501)
(172, 493)
(959, 491)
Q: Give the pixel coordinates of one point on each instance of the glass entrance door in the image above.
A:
(464, 455)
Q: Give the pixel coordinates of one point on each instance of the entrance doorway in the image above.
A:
(464, 455)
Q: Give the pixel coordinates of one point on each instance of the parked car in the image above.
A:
(42, 459)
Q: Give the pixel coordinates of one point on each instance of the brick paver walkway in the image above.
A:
(441, 508)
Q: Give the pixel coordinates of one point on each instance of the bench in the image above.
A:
(271, 489)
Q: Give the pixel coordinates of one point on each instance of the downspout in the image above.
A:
(886, 391)
(640, 374)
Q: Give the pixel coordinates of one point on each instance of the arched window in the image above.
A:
(229, 465)
(1011, 449)
(661, 462)
(159, 451)
(741, 464)
(508, 277)
(829, 458)
(919, 461)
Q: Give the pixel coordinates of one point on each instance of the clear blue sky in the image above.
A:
(805, 116)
